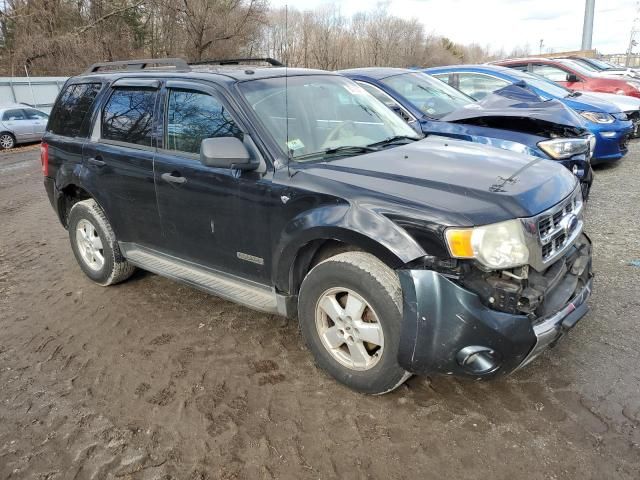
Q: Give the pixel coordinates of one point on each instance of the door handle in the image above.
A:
(173, 178)
(97, 161)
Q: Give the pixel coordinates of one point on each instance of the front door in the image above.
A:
(119, 162)
(214, 217)
(16, 120)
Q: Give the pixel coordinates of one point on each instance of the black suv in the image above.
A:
(295, 192)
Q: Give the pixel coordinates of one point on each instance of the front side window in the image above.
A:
(12, 115)
(310, 114)
(194, 116)
(68, 114)
(479, 86)
(128, 116)
(550, 72)
(433, 97)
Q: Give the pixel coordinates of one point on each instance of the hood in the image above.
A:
(518, 101)
(452, 181)
(622, 103)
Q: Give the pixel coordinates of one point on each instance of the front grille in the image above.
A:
(624, 143)
(557, 227)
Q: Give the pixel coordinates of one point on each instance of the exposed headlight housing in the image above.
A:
(560, 148)
(598, 117)
(497, 246)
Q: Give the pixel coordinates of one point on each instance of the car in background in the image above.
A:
(21, 124)
(606, 121)
(434, 108)
(603, 67)
(573, 76)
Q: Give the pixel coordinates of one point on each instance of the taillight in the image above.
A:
(44, 158)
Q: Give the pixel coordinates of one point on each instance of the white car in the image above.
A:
(20, 124)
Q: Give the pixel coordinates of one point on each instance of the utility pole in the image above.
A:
(587, 28)
(634, 30)
(541, 44)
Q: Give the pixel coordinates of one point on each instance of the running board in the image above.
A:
(247, 293)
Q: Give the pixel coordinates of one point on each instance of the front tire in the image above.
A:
(7, 141)
(350, 313)
(95, 246)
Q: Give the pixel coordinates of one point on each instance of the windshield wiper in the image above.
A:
(395, 140)
(345, 149)
(574, 94)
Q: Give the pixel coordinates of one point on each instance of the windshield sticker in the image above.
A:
(355, 89)
(295, 144)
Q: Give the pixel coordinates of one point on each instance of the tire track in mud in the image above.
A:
(151, 379)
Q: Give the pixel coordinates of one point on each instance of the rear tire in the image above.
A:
(350, 313)
(95, 246)
(7, 141)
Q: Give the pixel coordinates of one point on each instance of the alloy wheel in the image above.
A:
(89, 245)
(349, 328)
(6, 141)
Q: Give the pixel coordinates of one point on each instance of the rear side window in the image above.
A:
(71, 109)
(128, 116)
(35, 114)
(194, 116)
(11, 115)
(550, 73)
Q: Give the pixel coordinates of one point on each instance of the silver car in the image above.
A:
(20, 124)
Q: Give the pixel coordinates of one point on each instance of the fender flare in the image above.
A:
(350, 224)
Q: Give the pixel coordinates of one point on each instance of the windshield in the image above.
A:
(325, 112)
(433, 97)
(578, 67)
(600, 64)
(536, 81)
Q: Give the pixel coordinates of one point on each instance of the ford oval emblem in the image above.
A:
(570, 222)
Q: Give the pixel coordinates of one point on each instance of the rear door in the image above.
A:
(16, 121)
(215, 217)
(38, 121)
(119, 161)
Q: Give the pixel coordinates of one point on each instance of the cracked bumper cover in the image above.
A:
(441, 318)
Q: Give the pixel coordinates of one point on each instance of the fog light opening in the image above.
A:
(478, 360)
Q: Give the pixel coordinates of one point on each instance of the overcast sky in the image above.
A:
(508, 23)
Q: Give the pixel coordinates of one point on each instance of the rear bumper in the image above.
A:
(447, 329)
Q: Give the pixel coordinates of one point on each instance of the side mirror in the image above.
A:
(572, 77)
(225, 152)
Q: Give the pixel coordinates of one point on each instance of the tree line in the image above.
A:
(61, 37)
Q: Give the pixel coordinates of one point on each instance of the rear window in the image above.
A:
(71, 109)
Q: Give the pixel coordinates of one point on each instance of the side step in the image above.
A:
(251, 294)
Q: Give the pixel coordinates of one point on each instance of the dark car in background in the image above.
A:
(514, 119)
(297, 193)
(610, 126)
(573, 76)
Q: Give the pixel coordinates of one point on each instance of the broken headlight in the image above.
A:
(560, 148)
(598, 117)
(496, 246)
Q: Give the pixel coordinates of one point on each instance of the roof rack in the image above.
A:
(239, 61)
(141, 64)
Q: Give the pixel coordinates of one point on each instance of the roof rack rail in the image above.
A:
(239, 61)
(140, 64)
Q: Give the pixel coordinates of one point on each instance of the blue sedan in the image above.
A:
(610, 126)
(513, 118)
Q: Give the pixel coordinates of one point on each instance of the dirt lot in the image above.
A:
(152, 379)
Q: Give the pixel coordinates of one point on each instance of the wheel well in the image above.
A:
(71, 195)
(319, 250)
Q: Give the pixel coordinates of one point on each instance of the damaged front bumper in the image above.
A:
(448, 329)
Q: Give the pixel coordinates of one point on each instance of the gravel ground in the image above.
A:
(151, 379)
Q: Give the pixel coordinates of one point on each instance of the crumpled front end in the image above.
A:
(464, 321)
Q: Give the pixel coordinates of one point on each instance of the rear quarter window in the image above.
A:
(69, 112)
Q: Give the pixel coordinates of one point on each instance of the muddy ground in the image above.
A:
(154, 380)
